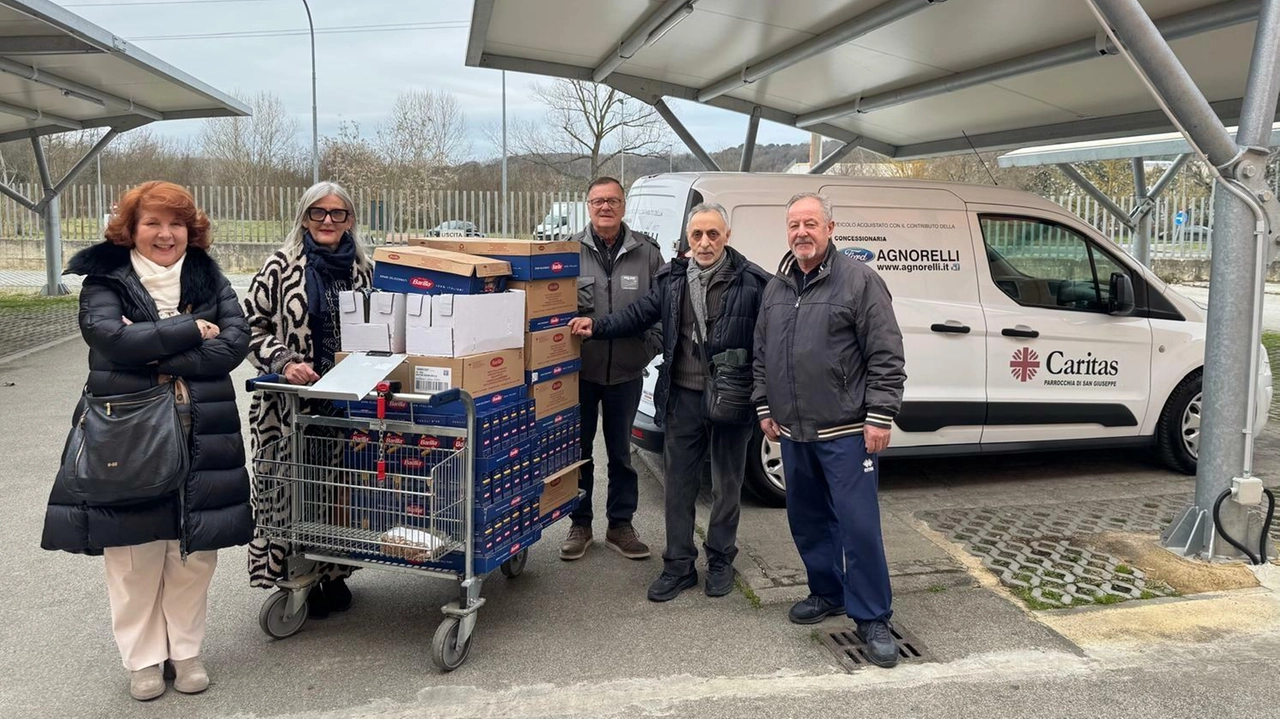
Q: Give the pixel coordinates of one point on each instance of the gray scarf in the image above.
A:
(699, 281)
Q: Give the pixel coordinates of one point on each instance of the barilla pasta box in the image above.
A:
(529, 259)
(435, 272)
(549, 304)
(487, 402)
(544, 424)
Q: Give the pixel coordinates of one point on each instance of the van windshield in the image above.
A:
(657, 209)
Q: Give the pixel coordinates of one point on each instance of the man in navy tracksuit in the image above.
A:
(828, 381)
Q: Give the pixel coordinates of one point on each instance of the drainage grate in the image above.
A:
(851, 652)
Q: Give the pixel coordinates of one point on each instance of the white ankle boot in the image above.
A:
(190, 676)
(146, 684)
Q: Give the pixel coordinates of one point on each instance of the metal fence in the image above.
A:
(263, 214)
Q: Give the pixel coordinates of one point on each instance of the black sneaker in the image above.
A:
(719, 578)
(317, 602)
(812, 610)
(668, 586)
(881, 649)
(338, 595)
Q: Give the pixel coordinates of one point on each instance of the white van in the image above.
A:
(1025, 328)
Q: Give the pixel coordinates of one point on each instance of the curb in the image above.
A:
(38, 348)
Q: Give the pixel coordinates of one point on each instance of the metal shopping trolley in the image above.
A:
(351, 491)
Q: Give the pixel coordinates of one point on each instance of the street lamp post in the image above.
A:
(315, 135)
(505, 224)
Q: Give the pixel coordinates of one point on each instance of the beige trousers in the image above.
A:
(158, 603)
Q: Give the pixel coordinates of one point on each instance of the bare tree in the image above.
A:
(591, 122)
(261, 149)
(351, 159)
(423, 139)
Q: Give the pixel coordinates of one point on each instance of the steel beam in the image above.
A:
(52, 227)
(1193, 22)
(749, 147)
(685, 136)
(79, 167)
(45, 45)
(1092, 190)
(632, 43)
(1169, 175)
(832, 158)
(884, 14)
(37, 116)
(76, 89)
(651, 90)
(17, 197)
(481, 16)
(1244, 225)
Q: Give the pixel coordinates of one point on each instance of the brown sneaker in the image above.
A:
(576, 544)
(624, 541)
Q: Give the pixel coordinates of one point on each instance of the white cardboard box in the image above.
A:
(352, 309)
(388, 308)
(477, 323)
(366, 337)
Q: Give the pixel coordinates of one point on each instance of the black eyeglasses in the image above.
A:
(317, 214)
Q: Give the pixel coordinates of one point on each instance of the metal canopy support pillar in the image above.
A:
(1141, 214)
(683, 133)
(1092, 190)
(48, 207)
(832, 158)
(749, 147)
(1245, 216)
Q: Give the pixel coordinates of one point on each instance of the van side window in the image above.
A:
(1039, 263)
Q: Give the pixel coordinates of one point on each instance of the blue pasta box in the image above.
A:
(485, 403)
(543, 374)
(374, 505)
(358, 450)
(396, 410)
(555, 419)
(551, 322)
(429, 271)
(529, 259)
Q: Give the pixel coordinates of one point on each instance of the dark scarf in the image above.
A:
(324, 265)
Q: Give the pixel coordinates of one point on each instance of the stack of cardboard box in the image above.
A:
(546, 273)
(489, 317)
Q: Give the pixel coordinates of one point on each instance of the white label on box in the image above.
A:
(432, 379)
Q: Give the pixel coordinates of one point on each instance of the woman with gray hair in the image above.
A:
(292, 308)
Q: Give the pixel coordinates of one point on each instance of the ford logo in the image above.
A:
(860, 254)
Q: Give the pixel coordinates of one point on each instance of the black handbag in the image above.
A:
(126, 448)
(726, 388)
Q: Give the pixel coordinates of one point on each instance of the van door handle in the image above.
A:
(1020, 332)
(950, 329)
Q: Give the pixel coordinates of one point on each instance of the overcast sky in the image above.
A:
(367, 52)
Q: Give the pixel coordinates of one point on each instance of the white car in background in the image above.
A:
(1024, 328)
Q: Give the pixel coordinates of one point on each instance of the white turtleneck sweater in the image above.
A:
(163, 283)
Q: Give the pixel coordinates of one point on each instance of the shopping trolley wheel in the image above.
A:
(445, 652)
(272, 617)
(514, 567)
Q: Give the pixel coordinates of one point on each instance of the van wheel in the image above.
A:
(765, 479)
(1178, 433)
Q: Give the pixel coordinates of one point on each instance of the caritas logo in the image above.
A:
(422, 283)
(497, 362)
(1025, 364)
(557, 267)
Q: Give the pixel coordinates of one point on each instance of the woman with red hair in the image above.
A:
(155, 309)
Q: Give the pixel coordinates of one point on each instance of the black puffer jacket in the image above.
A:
(733, 328)
(128, 358)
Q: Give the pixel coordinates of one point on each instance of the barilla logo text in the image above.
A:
(422, 283)
(555, 386)
(557, 267)
(553, 286)
(496, 362)
(497, 399)
(429, 442)
(555, 321)
(558, 337)
(459, 443)
(515, 452)
(414, 463)
(392, 256)
(393, 438)
(557, 370)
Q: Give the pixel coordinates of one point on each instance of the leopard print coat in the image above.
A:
(276, 308)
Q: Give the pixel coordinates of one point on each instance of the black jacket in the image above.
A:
(600, 293)
(128, 358)
(734, 327)
(828, 359)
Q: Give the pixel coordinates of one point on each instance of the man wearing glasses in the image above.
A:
(618, 266)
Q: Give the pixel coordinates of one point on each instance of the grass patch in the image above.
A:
(1123, 569)
(1106, 598)
(752, 598)
(10, 301)
(1025, 595)
(937, 589)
